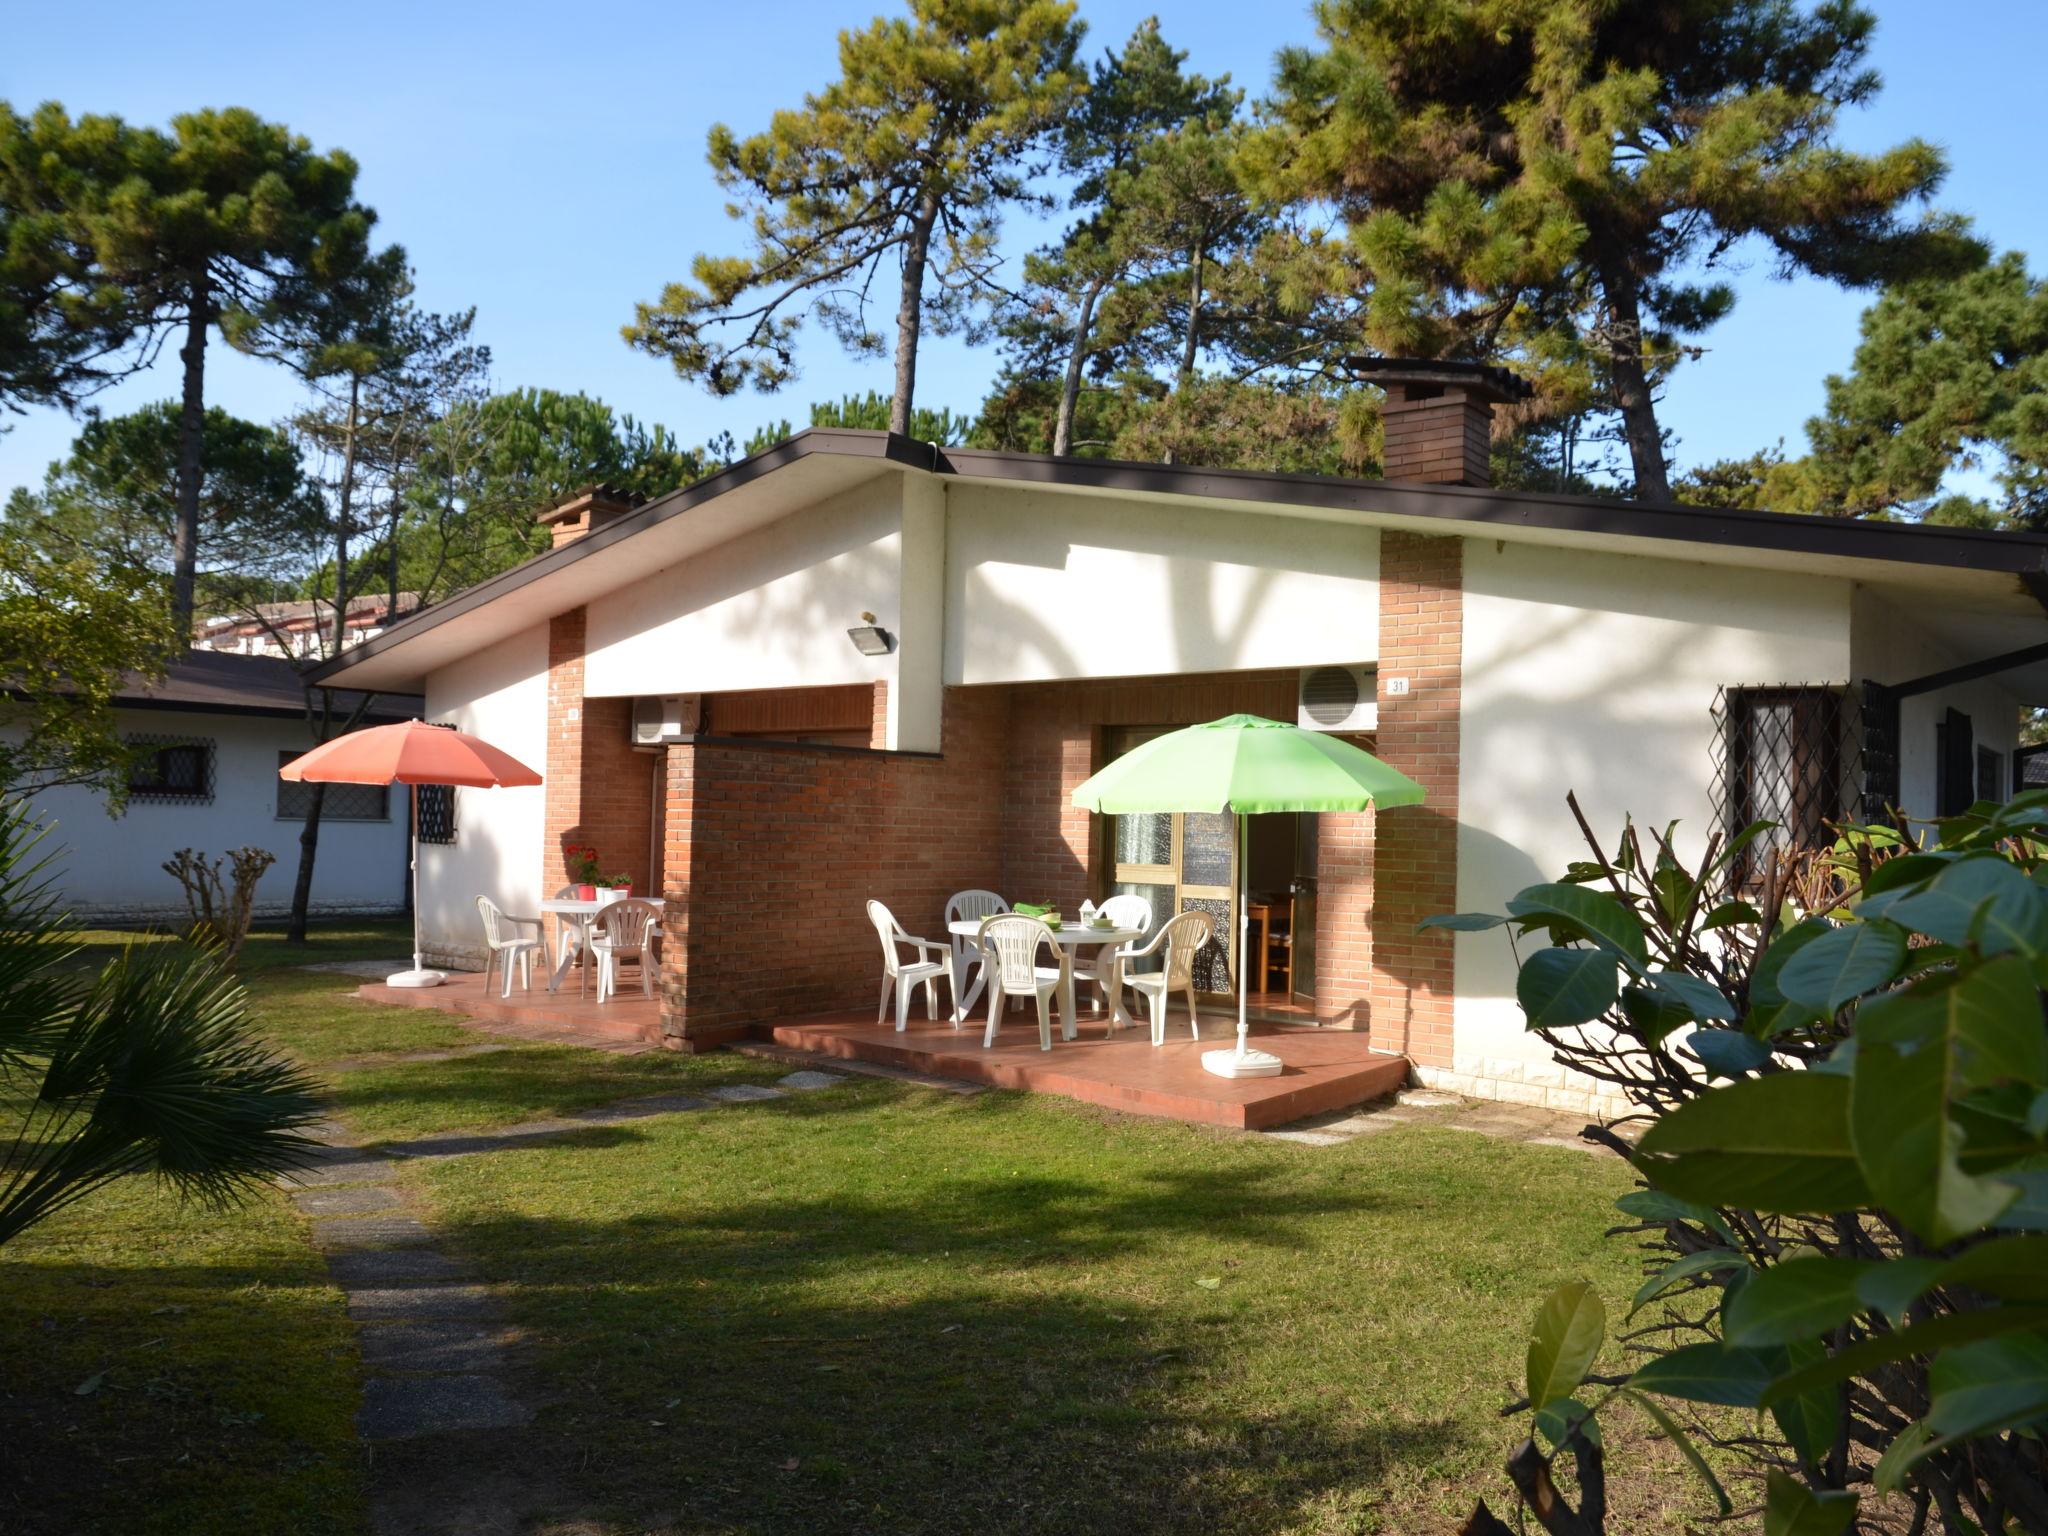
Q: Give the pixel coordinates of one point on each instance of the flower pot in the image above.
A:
(586, 893)
(622, 891)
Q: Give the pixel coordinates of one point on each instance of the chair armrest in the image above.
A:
(923, 945)
(527, 922)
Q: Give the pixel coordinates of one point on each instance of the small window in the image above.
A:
(171, 770)
(343, 802)
(1787, 754)
(1990, 774)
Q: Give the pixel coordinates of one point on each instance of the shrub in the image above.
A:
(1842, 1075)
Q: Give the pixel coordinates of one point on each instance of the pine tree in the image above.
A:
(226, 223)
(1574, 163)
(932, 129)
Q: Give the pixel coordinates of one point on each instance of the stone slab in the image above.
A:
(363, 1269)
(406, 1407)
(809, 1082)
(431, 1346)
(348, 1200)
(426, 1303)
(346, 1166)
(1309, 1138)
(745, 1093)
(641, 1108)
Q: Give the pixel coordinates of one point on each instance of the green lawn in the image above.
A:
(872, 1309)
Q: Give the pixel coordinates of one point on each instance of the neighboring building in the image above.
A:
(299, 630)
(684, 676)
(217, 728)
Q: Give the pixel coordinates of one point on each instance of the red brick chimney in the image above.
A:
(587, 511)
(1437, 421)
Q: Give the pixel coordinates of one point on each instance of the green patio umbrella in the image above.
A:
(1251, 766)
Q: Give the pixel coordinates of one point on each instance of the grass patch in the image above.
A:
(891, 1310)
(172, 1369)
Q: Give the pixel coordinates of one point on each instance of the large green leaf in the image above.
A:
(1727, 1052)
(1936, 1333)
(1571, 1325)
(1994, 1384)
(1793, 1509)
(1462, 922)
(1558, 1421)
(1801, 1299)
(1842, 965)
(2011, 1268)
(1763, 977)
(1808, 1422)
(1904, 1450)
(1558, 988)
(1656, 1205)
(1683, 1441)
(1911, 1053)
(1981, 899)
(1778, 1143)
(1597, 915)
(1707, 1373)
(1896, 1284)
(1700, 998)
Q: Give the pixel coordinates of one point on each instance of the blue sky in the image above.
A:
(545, 163)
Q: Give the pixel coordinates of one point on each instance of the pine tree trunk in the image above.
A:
(309, 849)
(1077, 354)
(191, 460)
(346, 513)
(1632, 382)
(910, 309)
(1192, 340)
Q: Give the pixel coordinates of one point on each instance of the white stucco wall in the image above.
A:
(502, 696)
(1041, 585)
(770, 609)
(1597, 674)
(110, 868)
(1886, 646)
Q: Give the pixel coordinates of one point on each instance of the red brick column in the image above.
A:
(1048, 840)
(1414, 860)
(599, 790)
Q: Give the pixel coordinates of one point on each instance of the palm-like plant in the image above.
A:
(151, 1064)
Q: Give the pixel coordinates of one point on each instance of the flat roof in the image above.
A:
(820, 460)
(224, 683)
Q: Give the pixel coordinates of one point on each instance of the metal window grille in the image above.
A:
(342, 802)
(1790, 753)
(437, 813)
(171, 770)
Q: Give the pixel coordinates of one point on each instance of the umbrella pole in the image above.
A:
(1244, 926)
(418, 963)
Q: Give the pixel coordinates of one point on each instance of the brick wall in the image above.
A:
(1410, 868)
(755, 835)
(599, 790)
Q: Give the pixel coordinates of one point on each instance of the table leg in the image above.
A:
(1069, 1028)
(1117, 1017)
(964, 998)
(561, 965)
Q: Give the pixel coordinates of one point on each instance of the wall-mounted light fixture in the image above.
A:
(869, 639)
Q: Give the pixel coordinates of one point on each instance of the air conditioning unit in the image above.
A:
(669, 718)
(1338, 699)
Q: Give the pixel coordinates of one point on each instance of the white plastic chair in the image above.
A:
(1182, 938)
(1099, 964)
(966, 952)
(1009, 959)
(624, 931)
(502, 938)
(905, 977)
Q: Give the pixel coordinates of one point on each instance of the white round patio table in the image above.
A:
(574, 910)
(1065, 940)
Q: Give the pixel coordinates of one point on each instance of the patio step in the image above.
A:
(573, 1019)
(769, 1050)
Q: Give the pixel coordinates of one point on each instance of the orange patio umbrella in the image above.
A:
(415, 753)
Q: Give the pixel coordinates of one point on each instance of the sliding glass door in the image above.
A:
(1180, 862)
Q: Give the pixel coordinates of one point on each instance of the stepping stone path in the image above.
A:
(1428, 1106)
(436, 1346)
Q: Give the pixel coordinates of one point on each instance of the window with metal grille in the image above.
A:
(1990, 774)
(342, 802)
(437, 813)
(1789, 754)
(171, 770)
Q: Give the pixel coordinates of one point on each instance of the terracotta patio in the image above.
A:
(1326, 1069)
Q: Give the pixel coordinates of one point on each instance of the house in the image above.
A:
(299, 629)
(858, 665)
(216, 729)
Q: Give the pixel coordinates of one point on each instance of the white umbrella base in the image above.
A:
(415, 979)
(1236, 1063)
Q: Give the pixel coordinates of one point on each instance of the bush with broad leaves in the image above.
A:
(1841, 1077)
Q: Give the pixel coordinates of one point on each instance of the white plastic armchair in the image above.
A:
(1102, 963)
(966, 953)
(1009, 959)
(905, 976)
(624, 931)
(502, 937)
(1182, 938)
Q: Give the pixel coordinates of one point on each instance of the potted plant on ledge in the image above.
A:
(583, 870)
